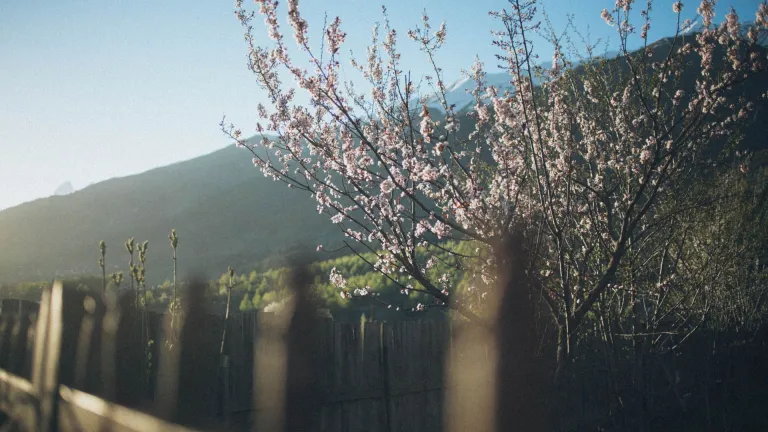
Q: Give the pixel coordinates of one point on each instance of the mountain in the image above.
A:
(223, 209)
(64, 189)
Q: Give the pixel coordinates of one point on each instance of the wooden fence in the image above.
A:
(38, 402)
(84, 363)
(371, 377)
(73, 363)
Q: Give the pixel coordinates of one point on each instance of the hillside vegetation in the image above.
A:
(254, 289)
(225, 212)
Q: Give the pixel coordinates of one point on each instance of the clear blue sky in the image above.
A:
(91, 90)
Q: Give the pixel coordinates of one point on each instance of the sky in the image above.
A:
(91, 90)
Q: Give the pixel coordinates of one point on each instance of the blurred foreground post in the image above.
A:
(45, 376)
(287, 394)
(183, 395)
(496, 380)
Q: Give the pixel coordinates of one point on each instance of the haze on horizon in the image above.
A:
(94, 90)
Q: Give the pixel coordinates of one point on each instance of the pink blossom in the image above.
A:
(646, 155)
(387, 186)
(624, 4)
(732, 24)
(297, 22)
(761, 16)
(425, 127)
(607, 17)
(644, 30)
(421, 227)
(362, 292)
(440, 34)
(337, 279)
(334, 36)
(441, 230)
(707, 11)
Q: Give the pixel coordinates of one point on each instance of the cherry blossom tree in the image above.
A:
(577, 158)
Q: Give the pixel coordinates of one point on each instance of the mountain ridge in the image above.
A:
(225, 211)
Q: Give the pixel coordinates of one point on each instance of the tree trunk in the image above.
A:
(563, 355)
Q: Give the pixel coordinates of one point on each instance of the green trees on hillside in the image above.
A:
(253, 289)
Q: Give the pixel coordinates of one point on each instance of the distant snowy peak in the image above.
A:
(459, 93)
(695, 26)
(64, 189)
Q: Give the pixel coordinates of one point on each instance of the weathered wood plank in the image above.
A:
(48, 384)
(18, 400)
(79, 411)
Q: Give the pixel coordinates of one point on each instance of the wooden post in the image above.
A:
(384, 341)
(225, 372)
(47, 349)
(110, 322)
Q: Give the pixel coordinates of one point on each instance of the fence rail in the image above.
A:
(42, 403)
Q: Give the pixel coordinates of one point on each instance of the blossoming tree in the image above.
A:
(576, 158)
